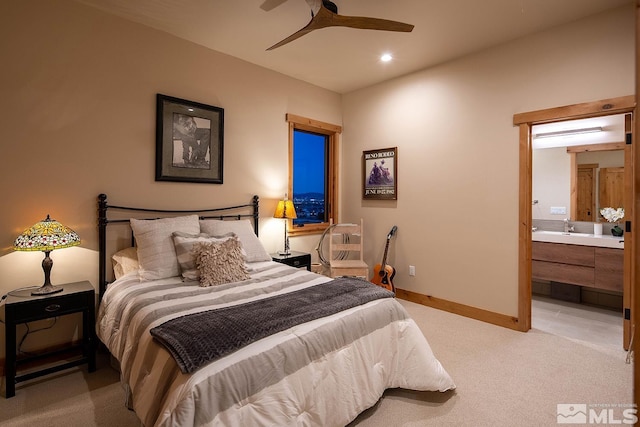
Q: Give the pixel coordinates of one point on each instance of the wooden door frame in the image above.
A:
(525, 121)
(634, 183)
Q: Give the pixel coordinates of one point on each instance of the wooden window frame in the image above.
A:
(332, 132)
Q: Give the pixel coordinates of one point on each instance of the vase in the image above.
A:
(617, 231)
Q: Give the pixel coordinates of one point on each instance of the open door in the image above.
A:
(628, 201)
(621, 105)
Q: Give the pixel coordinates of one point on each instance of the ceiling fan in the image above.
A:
(324, 14)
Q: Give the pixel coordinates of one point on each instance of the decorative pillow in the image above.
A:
(220, 262)
(156, 253)
(241, 228)
(125, 261)
(184, 244)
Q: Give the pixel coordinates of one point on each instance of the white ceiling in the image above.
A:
(346, 59)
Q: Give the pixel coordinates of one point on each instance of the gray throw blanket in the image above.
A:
(197, 339)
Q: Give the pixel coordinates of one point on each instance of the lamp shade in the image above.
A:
(46, 236)
(285, 209)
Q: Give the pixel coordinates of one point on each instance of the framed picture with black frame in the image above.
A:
(380, 174)
(189, 141)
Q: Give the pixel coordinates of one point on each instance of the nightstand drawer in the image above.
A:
(294, 259)
(49, 307)
(297, 263)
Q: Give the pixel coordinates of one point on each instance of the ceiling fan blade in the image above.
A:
(366, 23)
(314, 24)
(268, 5)
(325, 18)
(292, 37)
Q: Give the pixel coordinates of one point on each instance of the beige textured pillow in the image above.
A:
(220, 262)
(184, 244)
(154, 239)
(241, 228)
(125, 261)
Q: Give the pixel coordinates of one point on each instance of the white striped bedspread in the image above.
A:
(320, 373)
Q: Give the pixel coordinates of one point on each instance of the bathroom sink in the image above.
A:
(605, 241)
(559, 233)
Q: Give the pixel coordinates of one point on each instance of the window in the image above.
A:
(312, 173)
(310, 165)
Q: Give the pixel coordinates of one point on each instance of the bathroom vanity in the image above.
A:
(578, 259)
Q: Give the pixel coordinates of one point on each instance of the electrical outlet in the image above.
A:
(558, 210)
(412, 270)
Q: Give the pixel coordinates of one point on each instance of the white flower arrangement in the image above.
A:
(612, 215)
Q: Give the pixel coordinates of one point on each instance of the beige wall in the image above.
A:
(78, 105)
(78, 111)
(457, 211)
(551, 182)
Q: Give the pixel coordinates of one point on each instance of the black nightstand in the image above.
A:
(296, 259)
(22, 307)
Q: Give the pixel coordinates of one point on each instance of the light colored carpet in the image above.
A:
(504, 378)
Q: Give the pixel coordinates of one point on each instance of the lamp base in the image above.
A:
(47, 289)
(287, 248)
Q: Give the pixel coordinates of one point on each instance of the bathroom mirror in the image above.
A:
(552, 167)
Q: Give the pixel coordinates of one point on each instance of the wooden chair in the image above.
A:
(346, 239)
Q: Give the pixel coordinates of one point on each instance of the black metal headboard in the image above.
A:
(249, 210)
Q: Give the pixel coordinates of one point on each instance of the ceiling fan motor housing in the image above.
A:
(330, 5)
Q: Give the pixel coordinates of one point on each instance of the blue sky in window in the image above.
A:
(308, 163)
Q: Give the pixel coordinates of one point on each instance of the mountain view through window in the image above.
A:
(309, 177)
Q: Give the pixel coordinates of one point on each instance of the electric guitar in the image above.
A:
(383, 273)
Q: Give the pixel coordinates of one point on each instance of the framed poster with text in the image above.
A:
(380, 174)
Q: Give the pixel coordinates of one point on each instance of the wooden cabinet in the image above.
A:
(578, 265)
(609, 268)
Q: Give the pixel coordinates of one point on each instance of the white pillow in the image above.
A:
(184, 244)
(125, 261)
(244, 230)
(156, 253)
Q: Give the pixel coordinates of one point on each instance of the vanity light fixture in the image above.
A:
(568, 132)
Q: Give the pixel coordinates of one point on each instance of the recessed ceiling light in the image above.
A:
(386, 57)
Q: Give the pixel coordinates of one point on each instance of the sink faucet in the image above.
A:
(567, 228)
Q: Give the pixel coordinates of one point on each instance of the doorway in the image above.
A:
(525, 122)
(586, 206)
(585, 307)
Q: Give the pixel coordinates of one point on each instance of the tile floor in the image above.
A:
(576, 321)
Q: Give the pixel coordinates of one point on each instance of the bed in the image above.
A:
(270, 345)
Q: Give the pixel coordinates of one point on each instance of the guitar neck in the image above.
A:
(384, 258)
(386, 247)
